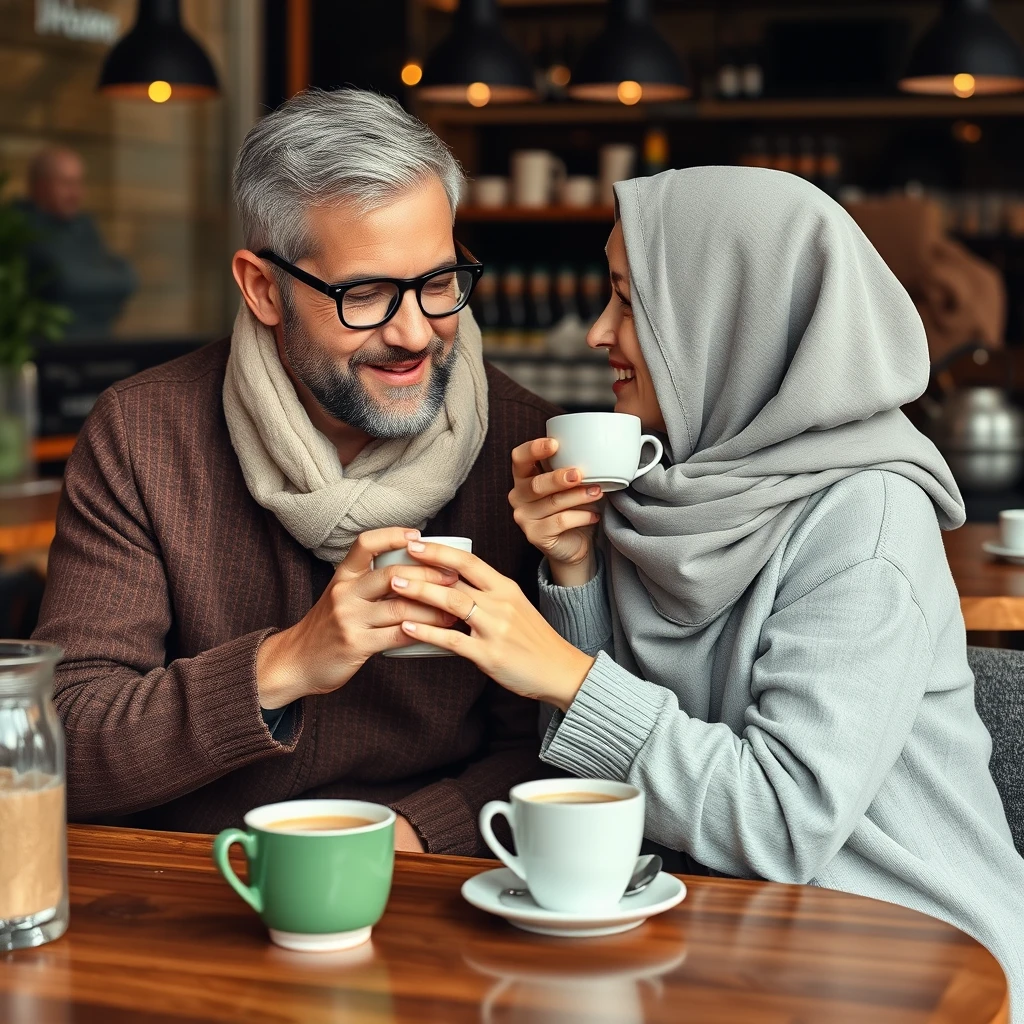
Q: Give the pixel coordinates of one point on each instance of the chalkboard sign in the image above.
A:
(73, 375)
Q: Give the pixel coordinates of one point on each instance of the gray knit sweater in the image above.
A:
(823, 730)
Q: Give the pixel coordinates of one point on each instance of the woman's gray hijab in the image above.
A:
(781, 348)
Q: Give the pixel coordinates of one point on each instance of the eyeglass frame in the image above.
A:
(337, 292)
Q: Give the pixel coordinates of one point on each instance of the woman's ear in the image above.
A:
(258, 287)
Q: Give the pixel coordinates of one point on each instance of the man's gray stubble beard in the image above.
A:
(342, 395)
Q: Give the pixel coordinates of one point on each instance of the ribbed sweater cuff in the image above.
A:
(225, 704)
(606, 725)
(443, 819)
(580, 615)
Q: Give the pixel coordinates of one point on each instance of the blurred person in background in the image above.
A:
(70, 261)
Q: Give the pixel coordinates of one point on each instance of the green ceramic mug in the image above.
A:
(319, 870)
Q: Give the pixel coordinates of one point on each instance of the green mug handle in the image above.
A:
(221, 846)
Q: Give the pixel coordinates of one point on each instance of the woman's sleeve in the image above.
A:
(836, 687)
(580, 615)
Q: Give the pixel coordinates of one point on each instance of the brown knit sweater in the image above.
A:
(164, 578)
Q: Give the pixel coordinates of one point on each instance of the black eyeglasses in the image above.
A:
(373, 301)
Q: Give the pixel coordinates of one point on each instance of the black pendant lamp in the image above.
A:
(158, 59)
(476, 63)
(629, 61)
(965, 53)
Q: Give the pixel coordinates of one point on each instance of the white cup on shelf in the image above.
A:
(617, 162)
(490, 191)
(578, 191)
(537, 177)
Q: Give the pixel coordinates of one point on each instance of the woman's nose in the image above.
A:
(602, 334)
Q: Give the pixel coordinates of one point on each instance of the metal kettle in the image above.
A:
(980, 434)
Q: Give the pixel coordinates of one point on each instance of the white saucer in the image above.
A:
(484, 892)
(1014, 555)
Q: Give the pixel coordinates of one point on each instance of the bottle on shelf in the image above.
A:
(655, 150)
(806, 164)
(752, 77)
(592, 293)
(783, 160)
(830, 166)
(540, 314)
(487, 308)
(755, 152)
(513, 303)
(568, 337)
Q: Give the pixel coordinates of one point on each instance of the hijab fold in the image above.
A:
(781, 348)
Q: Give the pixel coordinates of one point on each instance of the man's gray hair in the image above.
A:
(322, 148)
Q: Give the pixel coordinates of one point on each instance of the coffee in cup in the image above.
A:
(319, 870)
(402, 557)
(604, 446)
(577, 840)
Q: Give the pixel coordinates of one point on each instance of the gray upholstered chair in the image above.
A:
(999, 695)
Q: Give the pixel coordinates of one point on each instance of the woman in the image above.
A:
(780, 655)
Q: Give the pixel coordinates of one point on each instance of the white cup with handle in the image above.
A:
(577, 840)
(537, 177)
(402, 557)
(606, 447)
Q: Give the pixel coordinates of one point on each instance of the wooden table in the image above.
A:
(156, 935)
(991, 591)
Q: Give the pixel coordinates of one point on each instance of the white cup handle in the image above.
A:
(658, 452)
(488, 811)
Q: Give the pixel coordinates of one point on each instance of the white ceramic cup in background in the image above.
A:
(537, 177)
(604, 446)
(616, 162)
(490, 191)
(575, 857)
(579, 191)
(402, 557)
(1011, 528)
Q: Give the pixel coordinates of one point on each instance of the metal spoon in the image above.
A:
(647, 869)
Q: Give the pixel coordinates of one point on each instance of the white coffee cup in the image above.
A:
(1011, 528)
(616, 162)
(579, 191)
(576, 857)
(604, 446)
(490, 191)
(402, 557)
(537, 176)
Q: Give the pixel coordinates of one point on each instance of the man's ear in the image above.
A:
(258, 287)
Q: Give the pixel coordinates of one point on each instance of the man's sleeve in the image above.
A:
(139, 731)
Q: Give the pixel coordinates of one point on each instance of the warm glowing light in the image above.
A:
(963, 85)
(629, 93)
(159, 92)
(967, 131)
(412, 73)
(478, 94)
(559, 74)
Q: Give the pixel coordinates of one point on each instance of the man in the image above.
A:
(70, 261)
(211, 580)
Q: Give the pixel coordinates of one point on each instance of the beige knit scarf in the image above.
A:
(293, 470)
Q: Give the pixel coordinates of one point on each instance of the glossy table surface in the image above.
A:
(156, 935)
(991, 590)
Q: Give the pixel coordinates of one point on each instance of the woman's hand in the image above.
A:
(550, 509)
(509, 639)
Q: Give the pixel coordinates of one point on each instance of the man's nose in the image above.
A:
(408, 328)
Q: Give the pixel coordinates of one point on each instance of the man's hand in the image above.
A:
(406, 838)
(359, 614)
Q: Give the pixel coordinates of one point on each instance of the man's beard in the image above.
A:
(342, 394)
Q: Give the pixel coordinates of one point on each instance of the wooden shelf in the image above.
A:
(502, 214)
(882, 107)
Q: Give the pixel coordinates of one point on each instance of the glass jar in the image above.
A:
(33, 830)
